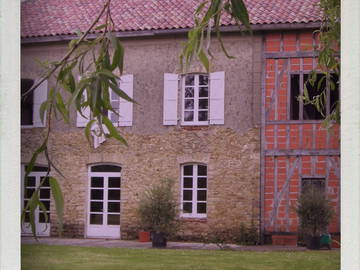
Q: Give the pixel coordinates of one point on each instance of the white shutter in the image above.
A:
(40, 95)
(217, 89)
(126, 107)
(80, 120)
(171, 89)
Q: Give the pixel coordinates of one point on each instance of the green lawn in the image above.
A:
(41, 257)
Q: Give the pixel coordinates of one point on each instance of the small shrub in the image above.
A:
(158, 211)
(315, 212)
(247, 235)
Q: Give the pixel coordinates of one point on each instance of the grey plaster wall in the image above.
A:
(149, 58)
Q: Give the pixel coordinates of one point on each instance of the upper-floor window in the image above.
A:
(201, 97)
(195, 97)
(299, 111)
(194, 190)
(30, 104)
(27, 102)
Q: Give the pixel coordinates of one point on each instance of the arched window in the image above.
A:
(194, 190)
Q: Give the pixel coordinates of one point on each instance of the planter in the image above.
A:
(158, 240)
(144, 236)
(313, 242)
(284, 239)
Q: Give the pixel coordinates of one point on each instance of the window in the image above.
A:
(29, 186)
(123, 107)
(194, 190)
(27, 102)
(309, 111)
(201, 99)
(195, 98)
(30, 104)
(318, 183)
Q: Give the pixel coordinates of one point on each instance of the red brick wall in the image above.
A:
(293, 136)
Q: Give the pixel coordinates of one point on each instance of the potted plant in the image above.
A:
(158, 212)
(315, 212)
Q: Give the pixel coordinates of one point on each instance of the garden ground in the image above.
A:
(59, 257)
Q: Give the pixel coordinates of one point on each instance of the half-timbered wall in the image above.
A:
(292, 149)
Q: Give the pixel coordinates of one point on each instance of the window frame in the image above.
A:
(194, 189)
(301, 103)
(196, 101)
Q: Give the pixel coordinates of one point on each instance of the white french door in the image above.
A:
(103, 216)
(28, 188)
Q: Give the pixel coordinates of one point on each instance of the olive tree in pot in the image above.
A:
(315, 213)
(158, 211)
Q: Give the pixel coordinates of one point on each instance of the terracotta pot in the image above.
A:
(144, 236)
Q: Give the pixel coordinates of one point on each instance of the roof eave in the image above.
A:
(162, 32)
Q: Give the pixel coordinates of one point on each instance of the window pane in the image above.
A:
(27, 102)
(114, 207)
(96, 207)
(202, 170)
(189, 104)
(203, 92)
(203, 116)
(113, 95)
(201, 208)
(294, 93)
(310, 112)
(187, 195)
(203, 104)
(105, 168)
(189, 80)
(113, 116)
(96, 219)
(97, 182)
(334, 91)
(96, 194)
(113, 219)
(188, 170)
(188, 116)
(42, 218)
(46, 182)
(114, 194)
(201, 195)
(202, 182)
(189, 92)
(29, 192)
(188, 182)
(31, 181)
(203, 79)
(114, 182)
(45, 193)
(187, 207)
(46, 204)
(27, 217)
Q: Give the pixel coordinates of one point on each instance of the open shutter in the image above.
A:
(80, 120)
(126, 108)
(217, 89)
(171, 89)
(40, 95)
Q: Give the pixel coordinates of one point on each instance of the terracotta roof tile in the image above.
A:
(54, 17)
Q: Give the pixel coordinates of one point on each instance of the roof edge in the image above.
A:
(163, 32)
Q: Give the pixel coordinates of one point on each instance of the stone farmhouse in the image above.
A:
(237, 142)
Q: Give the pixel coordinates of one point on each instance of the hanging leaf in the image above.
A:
(59, 201)
(87, 130)
(113, 131)
(204, 60)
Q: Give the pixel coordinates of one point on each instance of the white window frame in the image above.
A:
(194, 189)
(195, 122)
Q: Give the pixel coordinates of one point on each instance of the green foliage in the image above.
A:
(328, 60)
(314, 211)
(247, 235)
(207, 18)
(158, 209)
